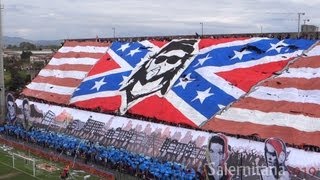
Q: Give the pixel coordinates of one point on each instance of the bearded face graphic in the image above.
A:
(157, 74)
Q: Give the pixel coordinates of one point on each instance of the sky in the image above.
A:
(63, 19)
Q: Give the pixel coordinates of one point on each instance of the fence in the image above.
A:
(61, 159)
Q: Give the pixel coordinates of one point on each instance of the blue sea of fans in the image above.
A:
(95, 153)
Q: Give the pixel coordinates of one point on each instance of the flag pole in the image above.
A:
(2, 87)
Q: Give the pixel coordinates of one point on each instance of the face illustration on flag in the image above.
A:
(158, 73)
(182, 81)
(106, 78)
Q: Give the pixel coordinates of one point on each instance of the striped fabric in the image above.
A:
(286, 106)
(69, 66)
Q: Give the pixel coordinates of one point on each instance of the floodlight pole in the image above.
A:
(2, 88)
(299, 17)
(114, 32)
(201, 29)
(305, 20)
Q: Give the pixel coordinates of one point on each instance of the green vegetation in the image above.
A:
(7, 78)
(16, 73)
(8, 172)
(25, 56)
(38, 65)
(25, 46)
(19, 70)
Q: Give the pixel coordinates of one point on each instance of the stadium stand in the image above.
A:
(246, 87)
(183, 81)
(93, 152)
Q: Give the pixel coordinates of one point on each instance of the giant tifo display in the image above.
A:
(154, 147)
(262, 87)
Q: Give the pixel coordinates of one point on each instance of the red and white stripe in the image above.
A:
(64, 73)
(286, 106)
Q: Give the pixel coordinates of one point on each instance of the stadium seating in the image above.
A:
(101, 155)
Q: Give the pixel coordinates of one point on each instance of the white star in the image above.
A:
(123, 47)
(98, 84)
(202, 60)
(239, 55)
(221, 106)
(184, 81)
(277, 46)
(202, 95)
(125, 78)
(132, 52)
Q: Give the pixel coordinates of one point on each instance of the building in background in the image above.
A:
(37, 55)
(309, 28)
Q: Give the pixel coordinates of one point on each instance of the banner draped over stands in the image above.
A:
(183, 81)
(57, 81)
(169, 143)
(220, 84)
(283, 106)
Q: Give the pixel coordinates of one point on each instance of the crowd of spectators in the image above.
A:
(155, 120)
(280, 36)
(254, 137)
(110, 157)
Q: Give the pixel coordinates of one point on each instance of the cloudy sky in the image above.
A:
(61, 19)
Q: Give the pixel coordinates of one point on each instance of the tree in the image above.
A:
(27, 46)
(17, 83)
(7, 79)
(25, 55)
(38, 65)
(13, 47)
(19, 80)
(15, 78)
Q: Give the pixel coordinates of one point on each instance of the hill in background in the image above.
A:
(17, 40)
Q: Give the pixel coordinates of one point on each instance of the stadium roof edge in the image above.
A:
(308, 35)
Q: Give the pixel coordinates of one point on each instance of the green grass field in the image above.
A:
(24, 170)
